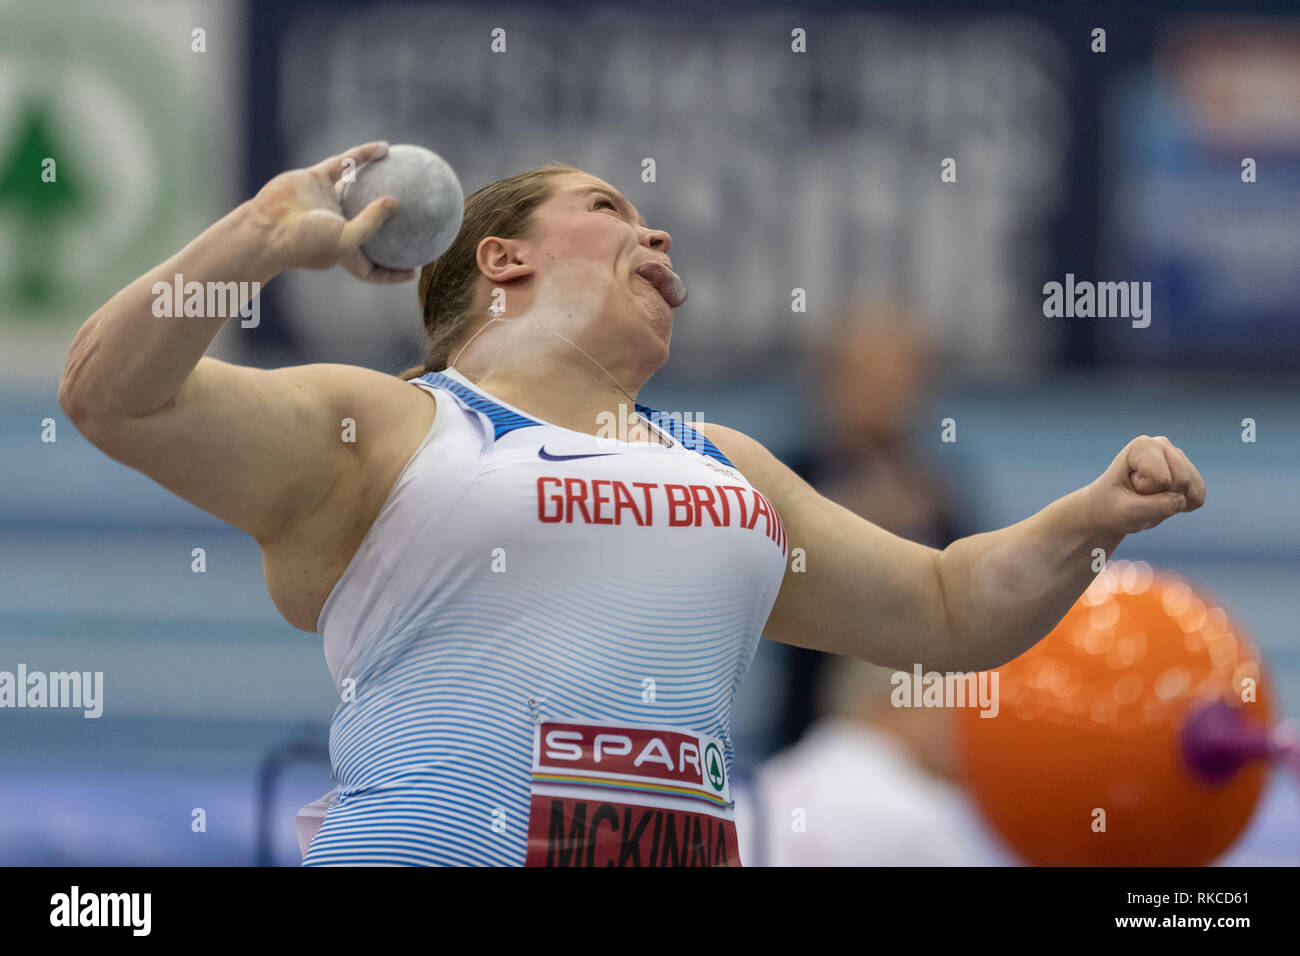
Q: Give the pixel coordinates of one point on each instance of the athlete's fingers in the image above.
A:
(1149, 472)
(391, 276)
(359, 155)
(355, 261)
(367, 222)
(1184, 476)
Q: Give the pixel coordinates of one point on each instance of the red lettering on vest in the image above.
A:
(578, 497)
(645, 487)
(604, 501)
(674, 503)
(702, 495)
(597, 501)
(726, 508)
(740, 500)
(542, 500)
(623, 499)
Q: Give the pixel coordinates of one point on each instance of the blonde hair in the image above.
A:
(503, 208)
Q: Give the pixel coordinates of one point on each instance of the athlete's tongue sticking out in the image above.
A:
(668, 283)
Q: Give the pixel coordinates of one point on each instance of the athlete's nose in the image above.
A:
(656, 239)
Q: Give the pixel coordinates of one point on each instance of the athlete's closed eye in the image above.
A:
(607, 202)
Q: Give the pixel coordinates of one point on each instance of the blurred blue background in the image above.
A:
(1123, 165)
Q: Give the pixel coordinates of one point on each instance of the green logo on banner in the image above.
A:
(109, 128)
(38, 195)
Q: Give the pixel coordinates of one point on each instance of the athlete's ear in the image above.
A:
(499, 260)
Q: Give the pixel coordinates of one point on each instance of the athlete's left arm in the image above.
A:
(980, 602)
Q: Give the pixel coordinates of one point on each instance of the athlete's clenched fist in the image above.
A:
(1149, 481)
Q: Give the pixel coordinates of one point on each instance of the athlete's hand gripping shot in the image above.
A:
(537, 630)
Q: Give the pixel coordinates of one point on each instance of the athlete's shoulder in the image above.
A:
(761, 468)
(352, 386)
(744, 452)
(501, 418)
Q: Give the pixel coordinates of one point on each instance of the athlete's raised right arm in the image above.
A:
(258, 449)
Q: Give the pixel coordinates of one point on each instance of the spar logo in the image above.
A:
(713, 764)
(613, 794)
(674, 758)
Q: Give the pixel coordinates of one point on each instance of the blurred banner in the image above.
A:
(118, 144)
(1205, 148)
(773, 171)
(781, 175)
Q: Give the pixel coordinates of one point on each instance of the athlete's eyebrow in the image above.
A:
(618, 201)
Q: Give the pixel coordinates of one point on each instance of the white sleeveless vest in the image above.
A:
(522, 585)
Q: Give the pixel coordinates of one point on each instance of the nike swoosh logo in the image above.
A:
(547, 456)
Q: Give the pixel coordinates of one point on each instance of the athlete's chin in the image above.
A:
(662, 316)
(662, 331)
(658, 312)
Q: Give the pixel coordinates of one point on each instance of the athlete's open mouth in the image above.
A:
(668, 283)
